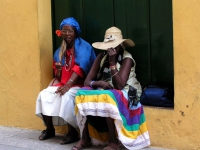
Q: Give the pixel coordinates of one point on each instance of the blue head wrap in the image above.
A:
(71, 22)
(84, 53)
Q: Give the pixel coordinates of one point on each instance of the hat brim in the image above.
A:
(113, 44)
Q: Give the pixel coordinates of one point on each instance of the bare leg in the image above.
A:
(50, 131)
(111, 128)
(86, 136)
(71, 137)
(85, 140)
(113, 143)
(48, 122)
(72, 130)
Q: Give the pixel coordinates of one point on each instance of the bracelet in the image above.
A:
(114, 74)
(71, 80)
(67, 86)
(91, 83)
(113, 67)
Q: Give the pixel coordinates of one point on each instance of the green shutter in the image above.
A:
(148, 23)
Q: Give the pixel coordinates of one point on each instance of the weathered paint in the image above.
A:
(26, 61)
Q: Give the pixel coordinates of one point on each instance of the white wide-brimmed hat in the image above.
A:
(113, 37)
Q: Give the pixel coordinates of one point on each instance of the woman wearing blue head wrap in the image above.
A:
(72, 62)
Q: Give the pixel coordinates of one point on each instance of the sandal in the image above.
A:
(81, 143)
(46, 134)
(69, 139)
(113, 146)
(76, 148)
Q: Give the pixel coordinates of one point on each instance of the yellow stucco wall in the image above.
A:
(25, 69)
(26, 46)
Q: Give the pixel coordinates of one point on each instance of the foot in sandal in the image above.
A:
(113, 146)
(82, 144)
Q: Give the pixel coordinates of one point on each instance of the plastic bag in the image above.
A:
(160, 96)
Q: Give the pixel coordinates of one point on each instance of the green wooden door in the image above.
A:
(148, 23)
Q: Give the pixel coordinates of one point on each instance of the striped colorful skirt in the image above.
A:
(130, 123)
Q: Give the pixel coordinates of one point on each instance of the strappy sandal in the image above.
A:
(69, 139)
(82, 146)
(46, 134)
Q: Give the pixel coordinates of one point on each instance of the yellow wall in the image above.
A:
(26, 46)
(25, 69)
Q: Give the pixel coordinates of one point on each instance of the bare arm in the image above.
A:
(63, 89)
(58, 71)
(119, 80)
(92, 74)
(119, 77)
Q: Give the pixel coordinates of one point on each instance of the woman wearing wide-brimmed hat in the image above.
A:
(108, 108)
(55, 104)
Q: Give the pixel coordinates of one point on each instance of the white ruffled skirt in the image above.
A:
(61, 108)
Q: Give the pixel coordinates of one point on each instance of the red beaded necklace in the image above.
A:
(68, 60)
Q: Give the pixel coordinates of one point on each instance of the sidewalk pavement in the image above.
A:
(26, 139)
